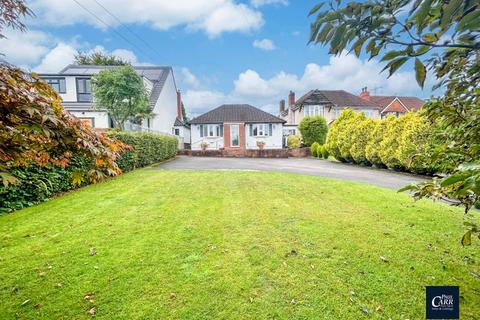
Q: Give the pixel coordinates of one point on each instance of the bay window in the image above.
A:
(312, 111)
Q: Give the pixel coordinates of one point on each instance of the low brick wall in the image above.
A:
(267, 153)
(237, 153)
(299, 152)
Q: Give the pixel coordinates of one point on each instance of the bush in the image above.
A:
(390, 143)
(294, 141)
(372, 150)
(315, 149)
(313, 129)
(324, 152)
(39, 183)
(361, 134)
(415, 147)
(336, 131)
(147, 148)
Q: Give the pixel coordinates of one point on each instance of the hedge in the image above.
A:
(313, 129)
(148, 148)
(38, 184)
(337, 135)
(404, 143)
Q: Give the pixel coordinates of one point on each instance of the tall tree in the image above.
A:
(99, 58)
(184, 113)
(11, 14)
(122, 93)
(437, 35)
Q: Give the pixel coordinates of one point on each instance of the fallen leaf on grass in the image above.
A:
(293, 301)
(41, 274)
(88, 295)
(92, 311)
(92, 251)
(383, 259)
(364, 309)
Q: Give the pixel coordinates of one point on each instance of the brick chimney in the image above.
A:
(282, 105)
(291, 98)
(365, 95)
(179, 105)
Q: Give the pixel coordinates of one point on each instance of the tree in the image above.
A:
(438, 35)
(11, 13)
(184, 113)
(99, 58)
(122, 94)
(313, 129)
(35, 129)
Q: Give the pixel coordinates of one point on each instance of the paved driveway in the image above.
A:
(307, 166)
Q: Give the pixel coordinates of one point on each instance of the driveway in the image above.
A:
(306, 166)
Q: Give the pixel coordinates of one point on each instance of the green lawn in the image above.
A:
(157, 244)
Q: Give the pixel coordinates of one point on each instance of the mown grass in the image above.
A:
(156, 244)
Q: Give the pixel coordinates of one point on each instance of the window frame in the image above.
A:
(88, 94)
(59, 81)
(264, 130)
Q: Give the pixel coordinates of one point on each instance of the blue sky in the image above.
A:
(222, 51)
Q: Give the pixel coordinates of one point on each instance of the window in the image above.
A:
(211, 130)
(261, 130)
(177, 132)
(311, 111)
(58, 84)
(336, 113)
(84, 90)
(369, 113)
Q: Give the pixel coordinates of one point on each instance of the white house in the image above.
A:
(236, 127)
(73, 83)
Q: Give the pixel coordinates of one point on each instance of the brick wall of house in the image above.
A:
(226, 136)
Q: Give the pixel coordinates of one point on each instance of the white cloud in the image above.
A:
(24, 48)
(41, 52)
(259, 3)
(264, 44)
(57, 58)
(189, 78)
(344, 72)
(199, 101)
(212, 16)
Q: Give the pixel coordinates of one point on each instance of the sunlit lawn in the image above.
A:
(158, 244)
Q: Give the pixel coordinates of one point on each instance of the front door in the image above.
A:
(234, 135)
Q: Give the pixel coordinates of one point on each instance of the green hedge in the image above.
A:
(313, 129)
(148, 148)
(38, 184)
(403, 143)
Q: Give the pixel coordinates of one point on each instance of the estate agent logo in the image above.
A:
(442, 302)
